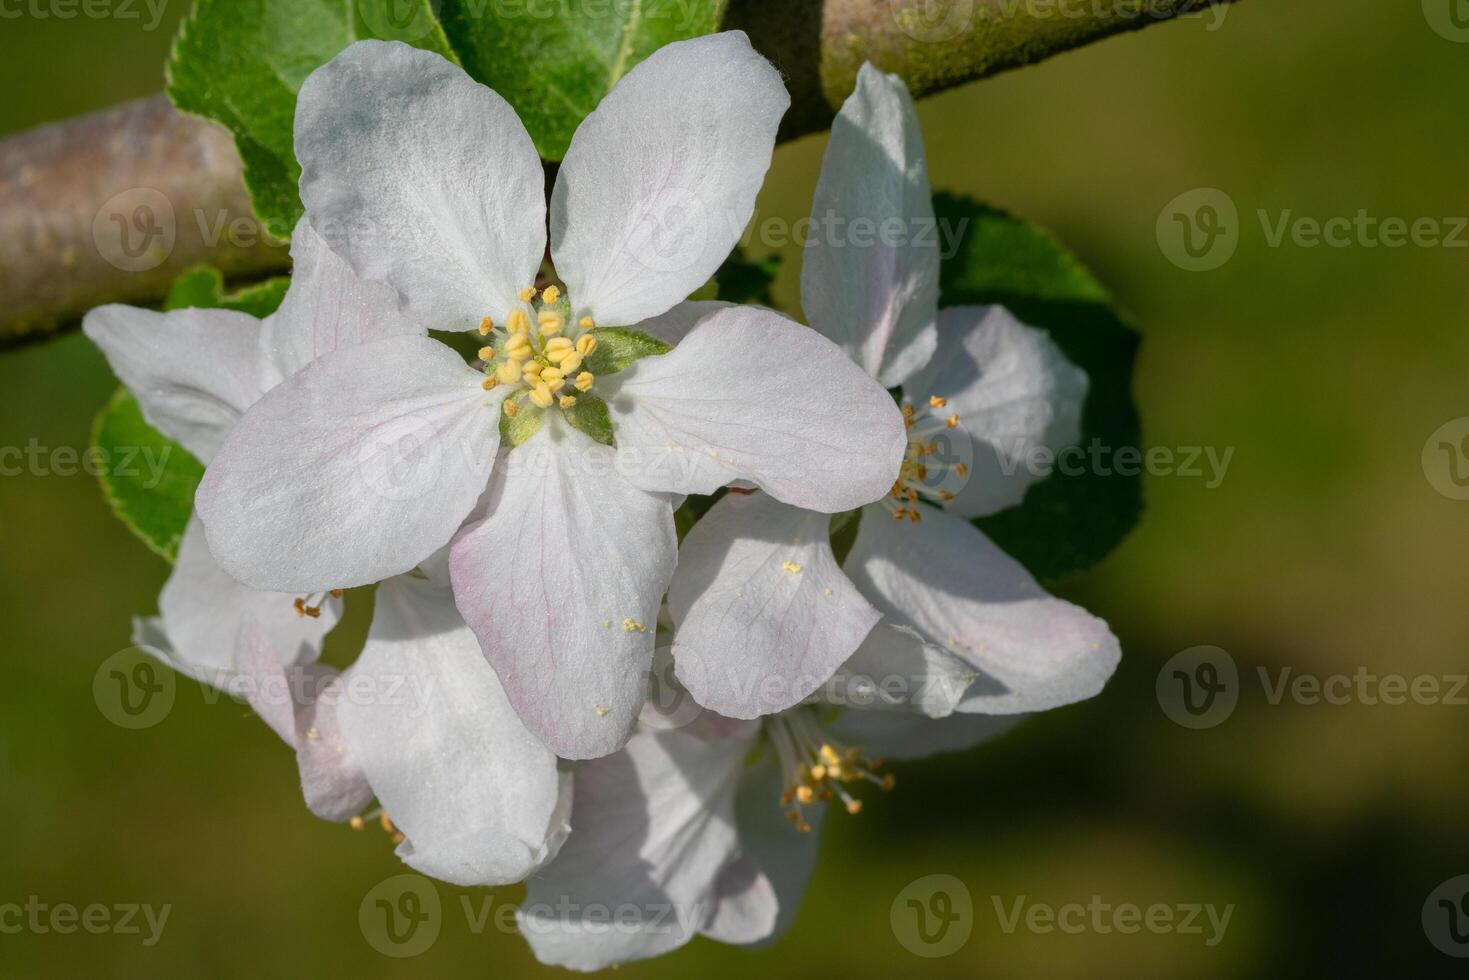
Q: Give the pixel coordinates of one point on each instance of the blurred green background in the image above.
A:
(1325, 549)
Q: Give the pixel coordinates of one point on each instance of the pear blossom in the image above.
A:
(373, 458)
(195, 372)
(759, 576)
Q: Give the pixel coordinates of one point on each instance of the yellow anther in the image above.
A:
(962, 469)
(356, 823)
(485, 326)
(386, 821)
(934, 401)
(540, 395)
(509, 372)
(550, 295)
(587, 323)
(511, 408)
(527, 294)
(567, 401)
(487, 353)
(854, 807)
(571, 362)
(630, 625)
(552, 376)
(953, 422)
(585, 344)
(945, 496)
(584, 381)
(791, 567)
(818, 773)
(550, 322)
(533, 369)
(830, 755)
(557, 349)
(518, 322)
(805, 794)
(489, 383)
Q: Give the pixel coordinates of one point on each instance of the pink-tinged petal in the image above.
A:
(896, 735)
(785, 856)
(870, 271)
(561, 582)
(354, 470)
(651, 830)
(745, 904)
(764, 614)
(478, 797)
(421, 177)
(660, 181)
(1014, 393)
(752, 395)
(947, 580)
(193, 371)
(898, 669)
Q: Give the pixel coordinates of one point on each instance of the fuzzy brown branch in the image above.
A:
(111, 207)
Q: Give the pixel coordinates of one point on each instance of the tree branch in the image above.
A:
(111, 207)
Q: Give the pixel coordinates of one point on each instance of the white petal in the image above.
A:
(562, 583)
(949, 581)
(477, 796)
(1013, 390)
(660, 181)
(353, 471)
(651, 829)
(764, 614)
(745, 904)
(420, 176)
(752, 395)
(300, 703)
(327, 307)
(870, 271)
(896, 668)
(194, 371)
(786, 856)
(202, 610)
(899, 735)
(672, 327)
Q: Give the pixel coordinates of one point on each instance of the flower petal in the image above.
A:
(870, 271)
(950, 582)
(419, 176)
(202, 609)
(354, 470)
(477, 796)
(1013, 391)
(327, 307)
(898, 735)
(194, 371)
(300, 703)
(896, 668)
(652, 827)
(672, 327)
(752, 395)
(786, 856)
(660, 181)
(765, 616)
(745, 904)
(561, 582)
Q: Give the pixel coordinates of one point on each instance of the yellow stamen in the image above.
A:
(550, 295)
(527, 294)
(557, 349)
(585, 344)
(550, 322)
(489, 383)
(567, 401)
(587, 323)
(584, 381)
(509, 372)
(518, 322)
(541, 396)
(533, 369)
(571, 362)
(511, 409)
(485, 326)
(487, 353)
(934, 401)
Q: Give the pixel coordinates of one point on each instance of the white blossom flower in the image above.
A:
(422, 178)
(759, 576)
(195, 372)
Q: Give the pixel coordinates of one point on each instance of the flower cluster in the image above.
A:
(831, 605)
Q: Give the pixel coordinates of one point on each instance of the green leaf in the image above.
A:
(241, 63)
(203, 286)
(742, 281)
(555, 61)
(149, 480)
(515, 429)
(1066, 523)
(590, 417)
(619, 347)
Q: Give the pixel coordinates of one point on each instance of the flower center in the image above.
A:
(816, 767)
(928, 462)
(310, 605)
(538, 353)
